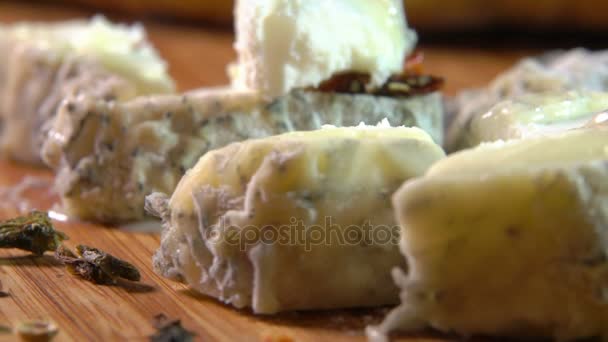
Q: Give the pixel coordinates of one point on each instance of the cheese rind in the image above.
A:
(41, 64)
(255, 223)
(514, 237)
(287, 44)
(109, 155)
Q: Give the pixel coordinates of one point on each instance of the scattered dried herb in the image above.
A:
(170, 330)
(402, 85)
(37, 331)
(96, 265)
(409, 84)
(33, 232)
(351, 82)
(5, 329)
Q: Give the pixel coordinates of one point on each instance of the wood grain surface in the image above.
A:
(41, 288)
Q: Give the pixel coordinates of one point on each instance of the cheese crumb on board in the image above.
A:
(255, 223)
(287, 44)
(513, 234)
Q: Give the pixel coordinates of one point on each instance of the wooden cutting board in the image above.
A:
(41, 288)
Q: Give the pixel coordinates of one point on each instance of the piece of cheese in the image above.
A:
(508, 239)
(287, 44)
(121, 49)
(41, 63)
(574, 70)
(109, 155)
(297, 221)
(534, 114)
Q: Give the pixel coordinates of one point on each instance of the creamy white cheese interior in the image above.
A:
(555, 72)
(535, 114)
(286, 44)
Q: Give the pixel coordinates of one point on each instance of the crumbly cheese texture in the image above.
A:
(121, 49)
(513, 234)
(41, 64)
(555, 72)
(109, 155)
(286, 222)
(287, 44)
(534, 114)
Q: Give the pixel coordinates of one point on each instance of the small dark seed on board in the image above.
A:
(170, 330)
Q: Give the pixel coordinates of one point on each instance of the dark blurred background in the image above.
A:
(436, 15)
(444, 20)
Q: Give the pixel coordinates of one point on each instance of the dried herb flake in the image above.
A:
(96, 265)
(406, 84)
(33, 232)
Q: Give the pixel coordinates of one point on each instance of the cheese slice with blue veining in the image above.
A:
(298, 221)
(508, 239)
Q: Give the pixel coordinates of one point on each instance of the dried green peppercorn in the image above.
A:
(33, 232)
(96, 265)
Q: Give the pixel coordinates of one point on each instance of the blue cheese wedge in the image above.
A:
(513, 234)
(288, 44)
(297, 221)
(109, 155)
(533, 115)
(556, 73)
(41, 63)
